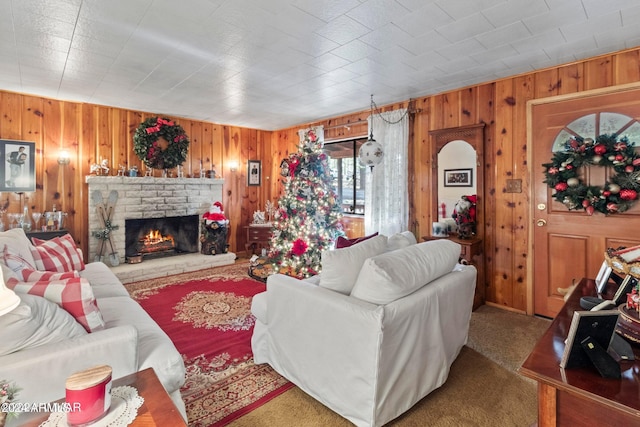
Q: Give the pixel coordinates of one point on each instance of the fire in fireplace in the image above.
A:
(155, 242)
(158, 237)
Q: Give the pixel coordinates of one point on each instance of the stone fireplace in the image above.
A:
(150, 198)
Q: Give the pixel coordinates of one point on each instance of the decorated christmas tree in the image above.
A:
(306, 221)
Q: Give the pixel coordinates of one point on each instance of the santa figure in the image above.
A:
(464, 214)
(215, 216)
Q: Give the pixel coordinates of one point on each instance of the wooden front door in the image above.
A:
(569, 244)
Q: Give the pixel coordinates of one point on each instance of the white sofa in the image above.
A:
(368, 361)
(129, 342)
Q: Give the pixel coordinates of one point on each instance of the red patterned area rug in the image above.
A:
(207, 316)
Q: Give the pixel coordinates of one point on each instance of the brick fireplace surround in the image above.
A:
(149, 197)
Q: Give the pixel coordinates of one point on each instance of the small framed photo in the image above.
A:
(603, 277)
(17, 166)
(254, 172)
(458, 178)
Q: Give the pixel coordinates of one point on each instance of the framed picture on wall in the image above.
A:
(458, 178)
(254, 172)
(17, 166)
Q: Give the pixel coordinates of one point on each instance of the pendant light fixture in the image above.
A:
(371, 153)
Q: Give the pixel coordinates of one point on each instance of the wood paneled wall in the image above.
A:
(92, 132)
(501, 105)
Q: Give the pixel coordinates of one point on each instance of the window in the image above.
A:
(348, 174)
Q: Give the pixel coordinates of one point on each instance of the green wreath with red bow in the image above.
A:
(160, 143)
(617, 195)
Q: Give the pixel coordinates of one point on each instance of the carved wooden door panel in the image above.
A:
(569, 244)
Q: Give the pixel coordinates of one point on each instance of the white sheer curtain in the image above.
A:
(386, 200)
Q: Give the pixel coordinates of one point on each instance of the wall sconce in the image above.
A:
(64, 158)
(233, 165)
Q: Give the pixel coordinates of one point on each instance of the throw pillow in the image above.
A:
(343, 242)
(393, 275)
(74, 295)
(35, 322)
(58, 254)
(340, 267)
(401, 240)
(19, 242)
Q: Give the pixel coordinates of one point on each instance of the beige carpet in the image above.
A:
(478, 392)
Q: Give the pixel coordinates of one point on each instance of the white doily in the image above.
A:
(125, 403)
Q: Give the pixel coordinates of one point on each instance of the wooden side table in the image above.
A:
(158, 410)
(471, 252)
(580, 396)
(258, 236)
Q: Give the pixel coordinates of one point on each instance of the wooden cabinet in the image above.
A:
(580, 396)
(471, 252)
(258, 236)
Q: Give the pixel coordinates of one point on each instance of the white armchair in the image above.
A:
(367, 362)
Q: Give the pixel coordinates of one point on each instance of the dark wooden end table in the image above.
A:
(580, 396)
(158, 410)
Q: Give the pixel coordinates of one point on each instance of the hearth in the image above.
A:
(161, 237)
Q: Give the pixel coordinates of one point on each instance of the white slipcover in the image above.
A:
(367, 362)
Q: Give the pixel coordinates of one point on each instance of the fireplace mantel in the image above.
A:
(148, 197)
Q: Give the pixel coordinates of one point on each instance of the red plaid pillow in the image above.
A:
(74, 295)
(27, 272)
(58, 254)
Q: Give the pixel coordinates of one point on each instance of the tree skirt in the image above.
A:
(209, 320)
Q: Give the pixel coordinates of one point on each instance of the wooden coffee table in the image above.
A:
(158, 410)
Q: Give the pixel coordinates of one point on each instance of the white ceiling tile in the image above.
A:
(557, 16)
(539, 41)
(463, 9)
(513, 10)
(567, 52)
(61, 11)
(630, 16)
(326, 10)
(386, 37)
(423, 20)
(342, 30)
(328, 62)
(503, 35)
(295, 21)
(377, 13)
(495, 54)
(602, 23)
(354, 51)
(465, 28)
(414, 5)
(463, 48)
(598, 7)
(114, 12)
(424, 43)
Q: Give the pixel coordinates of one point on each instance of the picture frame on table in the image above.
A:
(17, 166)
(603, 277)
(596, 325)
(458, 178)
(254, 172)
